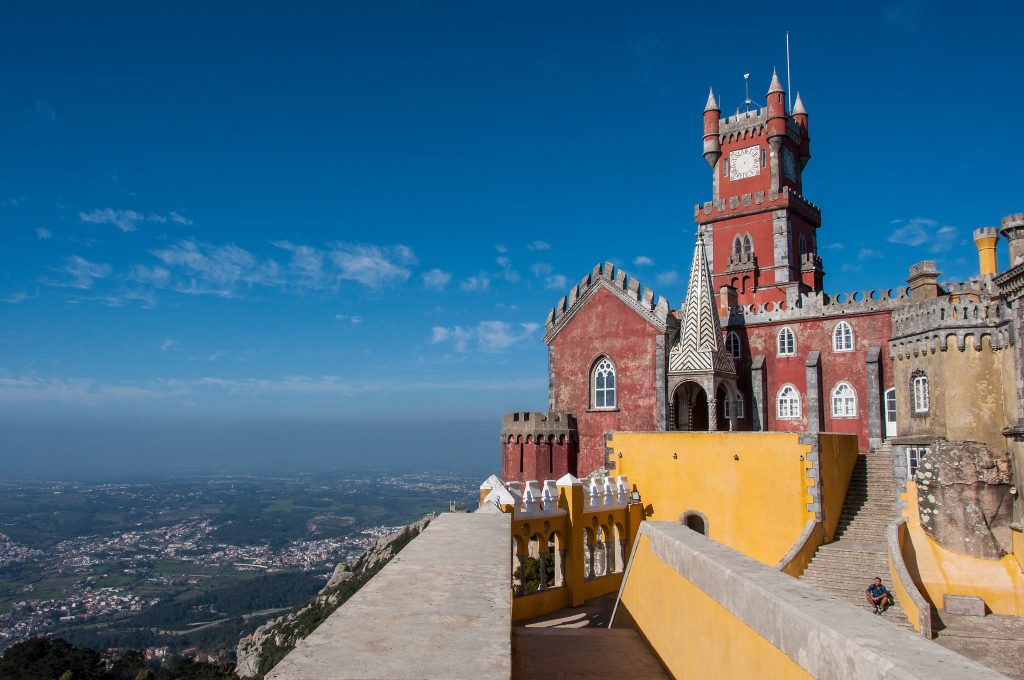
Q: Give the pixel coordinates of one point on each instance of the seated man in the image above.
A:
(878, 596)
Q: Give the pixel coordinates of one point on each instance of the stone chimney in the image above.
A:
(923, 280)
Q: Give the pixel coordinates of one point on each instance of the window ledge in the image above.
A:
(602, 410)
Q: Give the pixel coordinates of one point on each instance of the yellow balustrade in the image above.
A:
(580, 517)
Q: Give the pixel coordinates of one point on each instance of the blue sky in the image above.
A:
(362, 212)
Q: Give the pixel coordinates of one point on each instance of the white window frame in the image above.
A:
(733, 345)
(791, 408)
(603, 369)
(914, 456)
(919, 386)
(842, 337)
(740, 410)
(785, 342)
(844, 405)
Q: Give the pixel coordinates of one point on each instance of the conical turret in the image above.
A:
(800, 117)
(776, 108)
(712, 143)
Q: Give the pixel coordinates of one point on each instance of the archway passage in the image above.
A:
(690, 404)
(696, 523)
(720, 419)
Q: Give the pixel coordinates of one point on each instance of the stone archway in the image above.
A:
(690, 407)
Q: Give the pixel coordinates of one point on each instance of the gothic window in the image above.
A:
(737, 246)
(844, 401)
(733, 345)
(748, 245)
(764, 158)
(787, 342)
(603, 384)
(787, 406)
(842, 337)
(919, 385)
(803, 245)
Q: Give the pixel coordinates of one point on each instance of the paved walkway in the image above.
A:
(993, 641)
(576, 644)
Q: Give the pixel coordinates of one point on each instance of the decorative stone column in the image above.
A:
(590, 558)
(813, 374)
(609, 557)
(542, 559)
(873, 398)
(713, 412)
(560, 568)
(758, 389)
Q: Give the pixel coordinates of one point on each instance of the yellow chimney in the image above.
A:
(985, 239)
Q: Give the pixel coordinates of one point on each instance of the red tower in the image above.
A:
(760, 230)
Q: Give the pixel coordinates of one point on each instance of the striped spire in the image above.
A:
(700, 348)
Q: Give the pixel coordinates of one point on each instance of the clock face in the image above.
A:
(789, 164)
(745, 163)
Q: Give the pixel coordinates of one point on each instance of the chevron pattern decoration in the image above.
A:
(700, 348)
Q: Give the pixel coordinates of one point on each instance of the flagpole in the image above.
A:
(789, 88)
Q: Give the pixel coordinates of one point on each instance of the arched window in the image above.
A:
(844, 401)
(787, 342)
(787, 406)
(748, 245)
(737, 246)
(604, 384)
(919, 385)
(803, 244)
(842, 337)
(733, 345)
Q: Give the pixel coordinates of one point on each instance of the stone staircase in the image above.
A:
(847, 566)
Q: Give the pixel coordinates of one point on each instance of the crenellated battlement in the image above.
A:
(757, 202)
(819, 305)
(538, 426)
(748, 124)
(617, 281)
(926, 328)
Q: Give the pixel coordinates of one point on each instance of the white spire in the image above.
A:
(700, 348)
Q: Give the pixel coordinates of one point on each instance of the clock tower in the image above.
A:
(759, 230)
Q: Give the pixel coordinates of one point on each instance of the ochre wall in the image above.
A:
(938, 571)
(967, 394)
(757, 504)
(869, 330)
(694, 636)
(606, 326)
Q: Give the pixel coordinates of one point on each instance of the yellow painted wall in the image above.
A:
(939, 571)
(900, 589)
(694, 636)
(838, 456)
(756, 504)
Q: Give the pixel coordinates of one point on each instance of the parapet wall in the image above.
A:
(926, 327)
(539, 426)
(617, 281)
(759, 201)
(820, 305)
(745, 619)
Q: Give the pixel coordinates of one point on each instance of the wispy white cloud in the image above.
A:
(12, 202)
(353, 319)
(43, 234)
(666, 278)
(481, 283)
(507, 272)
(372, 266)
(490, 336)
(919, 231)
(19, 297)
(436, 279)
(541, 269)
(80, 273)
(642, 261)
(501, 247)
(125, 220)
(538, 245)
(129, 220)
(555, 282)
(86, 391)
(221, 270)
(167, 344)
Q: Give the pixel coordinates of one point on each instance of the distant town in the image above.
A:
(180, 543)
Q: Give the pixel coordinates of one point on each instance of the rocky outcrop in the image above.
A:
(258, 653)
(963, 495)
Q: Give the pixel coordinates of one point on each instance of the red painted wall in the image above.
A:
(869, 330)
(606, 326)
(545, 459)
